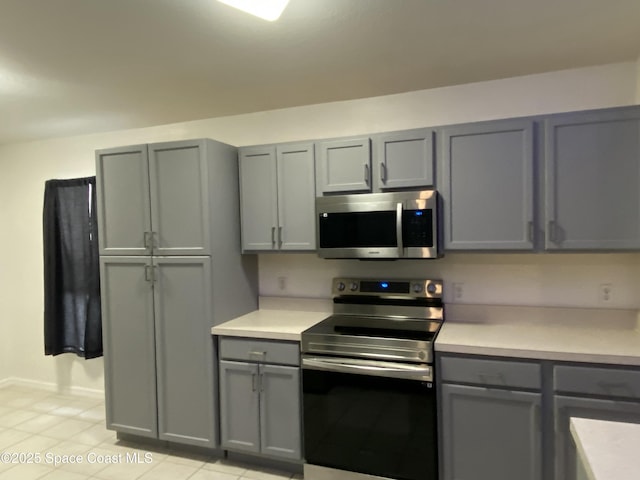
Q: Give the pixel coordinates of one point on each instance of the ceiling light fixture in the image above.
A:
(266, 9)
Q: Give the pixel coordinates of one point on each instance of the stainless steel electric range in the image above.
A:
(369, 400)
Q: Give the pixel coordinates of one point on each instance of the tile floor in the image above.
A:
(39, 428)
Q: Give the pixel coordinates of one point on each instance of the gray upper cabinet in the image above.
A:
(124, 210)
(344, 165)
(258, 198)
(154, 199)
(403, 160)
(487, 185)
(277, 191)
(179, 183)
(592, 180)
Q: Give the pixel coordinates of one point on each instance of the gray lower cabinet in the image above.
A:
(154, 199)
(129, 345)
(598, 392)
(403, 159)
(158, 349)
(260, 409)
(491, 427)
(487, 185)
(592, 180)
(344, 165)
(600, 409)
(277, 192)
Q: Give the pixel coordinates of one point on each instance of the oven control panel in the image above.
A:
(404, 287)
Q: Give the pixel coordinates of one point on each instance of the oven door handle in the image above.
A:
(370, 367)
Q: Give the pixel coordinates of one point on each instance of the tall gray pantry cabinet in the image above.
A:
(170, 269)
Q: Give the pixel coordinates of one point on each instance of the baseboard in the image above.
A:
(52, 387)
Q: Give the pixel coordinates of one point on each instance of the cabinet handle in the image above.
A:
(551, 231)
(154, 274)
(257, 354)
(280, 236)
(147, 276)
(146, 240)
(273, 237)
(383, 173)
(621, 388)
(366, 174)
(262, 382)
(492, 378)
(253, 382)
(530, 231)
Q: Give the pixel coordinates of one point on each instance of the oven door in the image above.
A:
(371, 417)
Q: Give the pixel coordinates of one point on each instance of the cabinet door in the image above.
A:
(404, 159)
(296, 197)
(258, 198)
(239, 406)
(280, 430)
(566, 407)
(490, 434)
(179, 198)
(593, 180)
(129, 345)
(487, 186)
(124, 215)
(184, 350)
(344, 165)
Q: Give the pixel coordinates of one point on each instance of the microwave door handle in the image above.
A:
(399, 229)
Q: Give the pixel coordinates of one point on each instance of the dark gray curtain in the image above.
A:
(72, 322)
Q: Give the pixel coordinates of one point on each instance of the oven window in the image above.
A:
(358, 229)
(374, 425)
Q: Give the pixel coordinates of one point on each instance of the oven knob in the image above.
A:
(353, 286)
(417, 288)
(422, 355)
(432, 288)
(340, 286)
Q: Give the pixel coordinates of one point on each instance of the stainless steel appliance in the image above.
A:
(369, 400)
(379, 225)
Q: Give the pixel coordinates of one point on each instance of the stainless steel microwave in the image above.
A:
(379, 225)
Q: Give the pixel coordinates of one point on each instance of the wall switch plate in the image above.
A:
(605, 293)
(458, 290)
(282, 283)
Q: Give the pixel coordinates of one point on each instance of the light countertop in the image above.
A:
(545, 333)
(277, 319)
(607, 450)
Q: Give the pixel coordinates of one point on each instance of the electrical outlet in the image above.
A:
(605, 293)
(282, 283)
(458, 290)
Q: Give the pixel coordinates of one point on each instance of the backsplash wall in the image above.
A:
(571, 280)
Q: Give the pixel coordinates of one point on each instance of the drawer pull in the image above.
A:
(257, 354)
(617, 389)
(492, 378)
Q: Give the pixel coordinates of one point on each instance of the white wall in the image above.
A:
(526, 279)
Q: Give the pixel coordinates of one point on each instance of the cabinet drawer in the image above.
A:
(497, 373)
(609, 382)
(257, 350)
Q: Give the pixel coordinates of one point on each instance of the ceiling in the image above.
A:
(78, 66)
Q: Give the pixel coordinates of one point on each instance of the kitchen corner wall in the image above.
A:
(490, 278)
